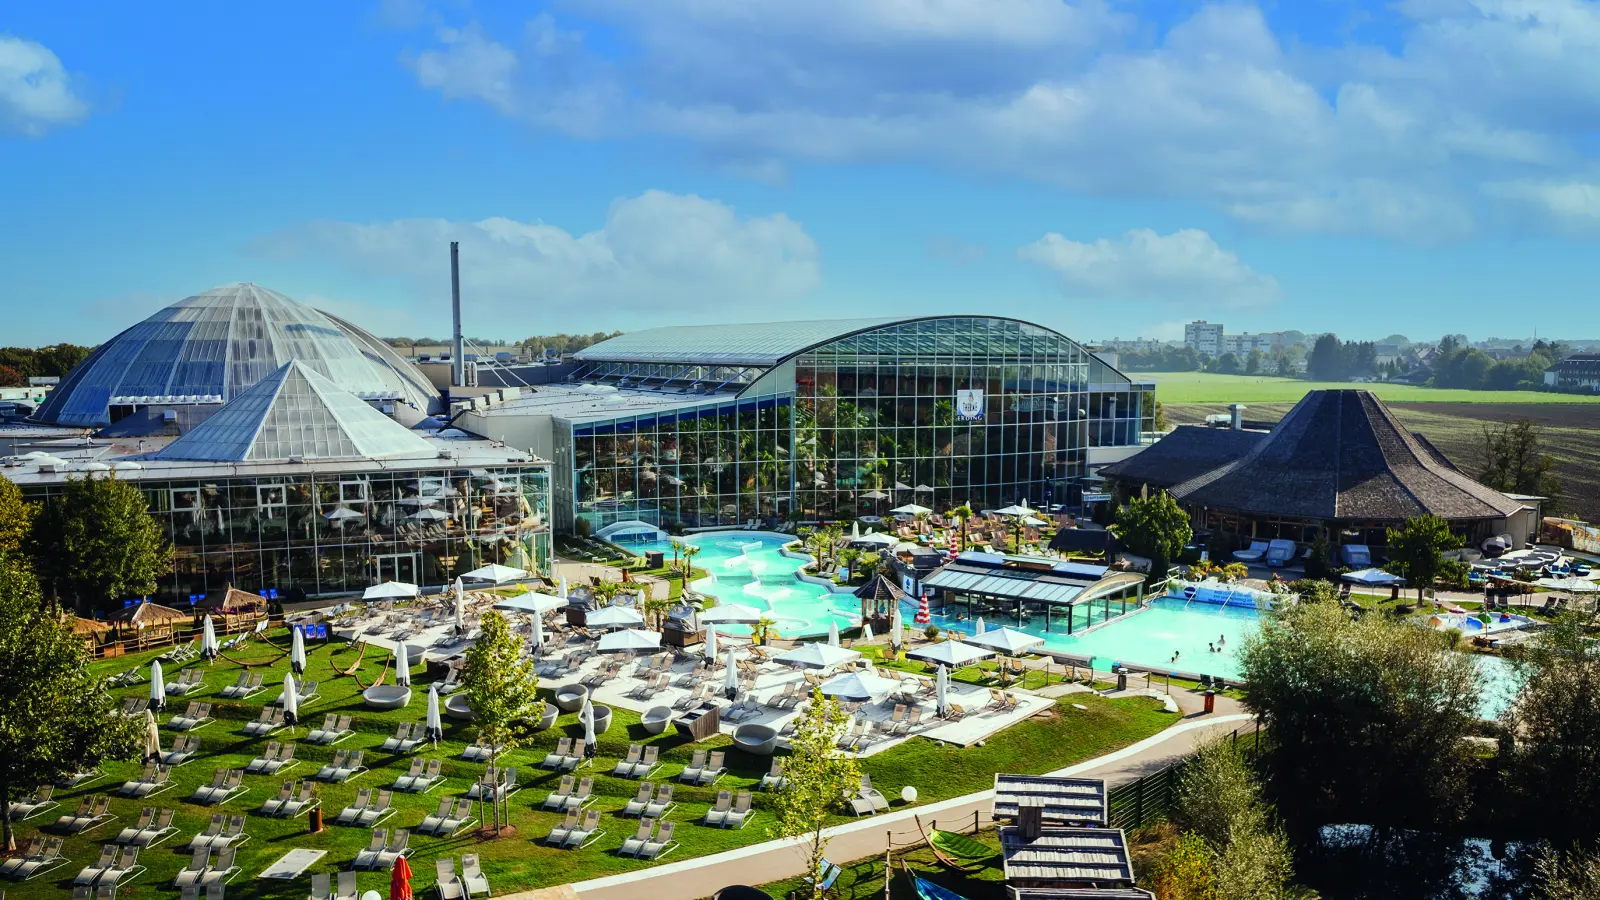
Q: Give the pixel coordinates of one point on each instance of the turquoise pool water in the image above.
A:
(746, 567)
(1501, 683)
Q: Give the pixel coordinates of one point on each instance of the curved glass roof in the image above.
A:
(761, 344)
(208, 348)
(294, 413)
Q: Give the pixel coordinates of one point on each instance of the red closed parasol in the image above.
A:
(400, 880)
(923, 616)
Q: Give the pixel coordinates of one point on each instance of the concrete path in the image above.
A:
(692, 879)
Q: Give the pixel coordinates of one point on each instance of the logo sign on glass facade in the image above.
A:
(969, 405)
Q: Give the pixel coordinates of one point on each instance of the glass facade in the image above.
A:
(308, 535)
(939, 412)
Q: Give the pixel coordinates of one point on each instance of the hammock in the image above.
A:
(240, 641)
(926, 889)
(954, 850)
(351, 672)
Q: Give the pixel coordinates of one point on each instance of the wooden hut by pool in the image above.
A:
(878, 599)
(90, 631)
(232, 609)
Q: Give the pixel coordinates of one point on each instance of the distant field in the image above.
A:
(1174, 388)
(1571, 433)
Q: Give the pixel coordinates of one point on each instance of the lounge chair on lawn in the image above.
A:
(284, 760)
(146, 816)
(30, 850)
(199, 863)
(125, 868)
(869, 799)
(472, 876)
(153, 833)
(303, 800)
(334, 729)
(718, 813)
(461, 818)
(380, 809)
(34, 804)
(397, 847)
(135, 706)
(478, 753)
(273, 806)
(406, 738)
(661, 844)
(714, 768)
(446, 880)
(587, 832)
(347, 886)
(827, 874)
(641, 798)
(91, 873)
(246, 687)
(662, 804)
(258, 765)
(554, 759)
(79, 779)
(576, 758)
(183, 750)
(422, 777)
(557, 799)
(307, 692)
(232, 835)
(198, 715)
(189, 681)
(740, 815)
(321, 886)
(351, 768)
(624, 768)
(220, 872)
(632, 846)
(41, 857)
(351, 813)
(155, 779)
(774, 780)
(270, 721)
(368, 858)
(648, 764)
(430, 824)
(202, 840)
(691, 772)
(92, 813)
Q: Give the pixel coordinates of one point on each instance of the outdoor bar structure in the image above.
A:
(1033, 592)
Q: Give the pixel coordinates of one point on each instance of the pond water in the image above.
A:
(1359, 862)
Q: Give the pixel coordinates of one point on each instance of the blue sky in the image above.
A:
(1111, 168)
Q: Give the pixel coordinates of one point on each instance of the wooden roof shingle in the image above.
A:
(1342, 455)
(1186, 452)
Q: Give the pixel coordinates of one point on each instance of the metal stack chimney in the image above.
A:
(1237, 416)
(458, 365)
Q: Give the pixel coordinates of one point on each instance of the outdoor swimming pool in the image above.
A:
(746, 567)
(1501, 683)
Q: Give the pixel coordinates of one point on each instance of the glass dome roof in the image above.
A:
(208, 348)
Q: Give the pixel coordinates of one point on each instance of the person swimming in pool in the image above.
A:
(1211, 647)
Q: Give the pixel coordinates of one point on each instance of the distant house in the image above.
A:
(1577, 372)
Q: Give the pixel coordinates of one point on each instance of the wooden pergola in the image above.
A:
(151, 623)
(879, 596)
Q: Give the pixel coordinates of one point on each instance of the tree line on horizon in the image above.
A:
(18, 364)
(532, 346)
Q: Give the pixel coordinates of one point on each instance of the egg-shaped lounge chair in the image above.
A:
(548, 719)
(758, 740)
(656, 719)
(571, 697)
(456, 707)
(387, 696)
(602, 718)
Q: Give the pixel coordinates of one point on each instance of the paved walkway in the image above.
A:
(693, 879)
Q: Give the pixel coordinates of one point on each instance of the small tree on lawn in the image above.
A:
(502, 690)
(817, 773)
(964, 513)
(1417, 548)
(55, 718)
(1156, 527)
(97, 542)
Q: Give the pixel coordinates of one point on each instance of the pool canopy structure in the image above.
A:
(1339, 462)
(1062, 595)
(785, 422)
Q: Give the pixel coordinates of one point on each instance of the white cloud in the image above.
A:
(36, 91)
(1567, 204)
(1183, 267)
(1216, 110)
(659, 252)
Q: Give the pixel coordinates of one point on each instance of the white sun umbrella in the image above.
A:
(208, 638)
(297, 651)
(531, 602)
(496, 573)
(711, 645)
(855, 529)
(941, 686)
(878, 538)
(911, 509)
(731, 614)
(435, 727)
(977, 626)
(563, 594)
(866, 634)
(1006, 640)
(152, 736)
(833, 632)
(613, 617)
(429, 514)
(158, 687)
(1031, 522)
(537, 638)
(1373, 577)
(817, 655)
(1014, 510)
(896, 628)
(586, 716)
(954, 654)
(290, 700)
(390, 590)
(342, 513)
(862, 686)
(402, 665)
(730, 679)
(629, 640)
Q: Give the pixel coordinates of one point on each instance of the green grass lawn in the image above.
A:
(863, 879)
(1062, 737)
(1205, 387)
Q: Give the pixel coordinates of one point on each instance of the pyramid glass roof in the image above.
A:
(295, 413)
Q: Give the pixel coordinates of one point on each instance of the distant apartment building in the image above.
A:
(1137, 345)
(1243, 344)
(1580, 371)
(1205, 337)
